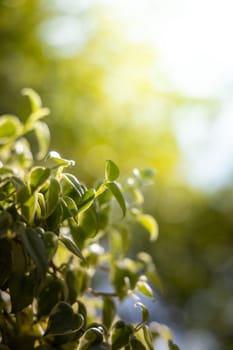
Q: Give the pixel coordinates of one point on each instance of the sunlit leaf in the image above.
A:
(144, 288)
(150, 224)
(34, 98)
(55, 156)
(112, 171)
(10, 126)
(116, 191)
(38, 176)
(43, 138)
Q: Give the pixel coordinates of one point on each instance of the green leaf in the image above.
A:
(116, 191)
(50, 294)
(6, 221)
(51, 242)
(43, 138)
(63, 320)
(108, 311)
(5, 261)
(38, 176)
(136, 344)
(21, 290)
(172, 346)
(69, 207)
(92, 337)
(54, 191)
(62, 162)
(10, 126)
(120, 335)
(34, 98)
(23, 194)
(28, 209)
(147, 337)
(70, 245)
(149, 223)
(55, 219)
(144, 288)
(35, 247)
(145, 312)
(87, 200)
(112, 172)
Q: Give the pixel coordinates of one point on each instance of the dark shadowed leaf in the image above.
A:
(35, 247)
(136, 344)
(21, 290)
(72, 247)
(120, 335)
(50, 294)
(63, 320)
(172, 346)
(108, 311)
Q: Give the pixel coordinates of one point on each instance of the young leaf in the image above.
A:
(149, 223)
(70, 245)
(10, 126)
(43, 137)
(62, 162)
(145, 312)
(116, 191)
(144, 288)
(112, 172)
(38, 176)
(34, 99)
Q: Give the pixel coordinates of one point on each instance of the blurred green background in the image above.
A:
(139, 82)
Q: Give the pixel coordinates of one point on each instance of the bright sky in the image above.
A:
(194, 39)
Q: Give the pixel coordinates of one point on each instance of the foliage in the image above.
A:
(55, 235)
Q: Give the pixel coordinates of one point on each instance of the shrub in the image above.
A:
(55, 235)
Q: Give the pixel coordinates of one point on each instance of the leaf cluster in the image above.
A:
(55, 235)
